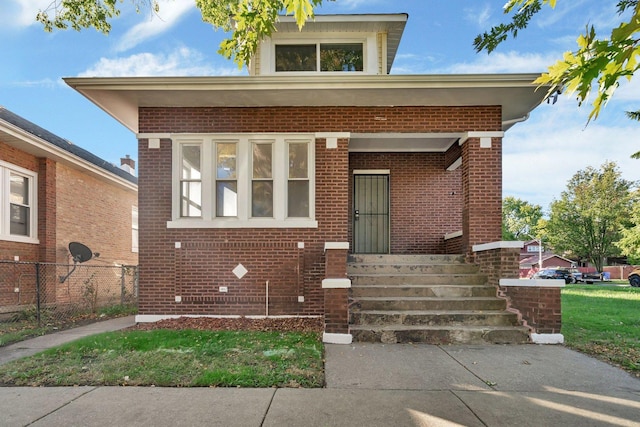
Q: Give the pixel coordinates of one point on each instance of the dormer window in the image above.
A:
(326, 57)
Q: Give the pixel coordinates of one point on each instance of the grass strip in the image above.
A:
(176, 358)
(603, 321)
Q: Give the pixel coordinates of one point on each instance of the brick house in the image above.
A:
(54, 192)
(257, 192)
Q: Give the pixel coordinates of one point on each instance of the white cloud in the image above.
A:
(21, 13)
(480, 18)
(510, 62)
(46, 83)
(180, 62)
(171, 11)
(352, 4)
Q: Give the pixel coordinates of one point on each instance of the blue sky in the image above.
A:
(540, 155)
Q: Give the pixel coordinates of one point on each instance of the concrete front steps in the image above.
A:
(435, 299)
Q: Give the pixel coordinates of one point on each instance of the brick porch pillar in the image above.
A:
(481, 188)
(336, 299)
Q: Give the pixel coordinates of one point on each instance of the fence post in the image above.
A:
(38, 292)
(122, 284)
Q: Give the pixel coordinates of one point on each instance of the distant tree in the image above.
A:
(598, 62)
(629, 244)
(587, 220)
(520, 219)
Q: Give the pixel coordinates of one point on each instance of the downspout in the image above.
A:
(514, 121)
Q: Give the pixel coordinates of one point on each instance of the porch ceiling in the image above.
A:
(122, 96)
(402, 142)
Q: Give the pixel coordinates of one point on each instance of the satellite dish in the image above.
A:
(80, 252)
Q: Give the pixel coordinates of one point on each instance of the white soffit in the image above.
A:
(122, 96)
(402, 142)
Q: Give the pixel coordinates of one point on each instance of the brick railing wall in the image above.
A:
(538, 303)
(336, 286)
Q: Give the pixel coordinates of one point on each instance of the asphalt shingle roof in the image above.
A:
(62, 143)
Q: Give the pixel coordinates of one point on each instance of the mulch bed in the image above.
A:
(296, 324)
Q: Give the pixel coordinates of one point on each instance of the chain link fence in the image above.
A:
(54, 296)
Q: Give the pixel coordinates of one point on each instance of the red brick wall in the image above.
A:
(540, 307)
(426, 199)
(206, 258)
(73, 206)
(47, 210)
(95, 213)
(482, 192)
(164, 271)
(321, 119)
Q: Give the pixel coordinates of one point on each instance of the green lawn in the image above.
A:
(178, 358)
(604, 321)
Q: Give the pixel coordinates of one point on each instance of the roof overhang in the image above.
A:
(24, 141)
(122, 97)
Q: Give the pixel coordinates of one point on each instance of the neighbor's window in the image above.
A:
(18, 196)
(326, 57)
(252, 181)
(134, 229)
(191, 181)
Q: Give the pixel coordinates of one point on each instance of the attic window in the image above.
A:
(326, 57)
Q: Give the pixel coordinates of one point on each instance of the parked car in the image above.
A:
(634, 278)
(577, 275)
(554, 273)
(593, 277)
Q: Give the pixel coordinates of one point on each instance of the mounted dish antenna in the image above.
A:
(80, 253)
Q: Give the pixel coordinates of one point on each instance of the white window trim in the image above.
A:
(5, 191)
(243, 166)
(369, 53)
(135, 226)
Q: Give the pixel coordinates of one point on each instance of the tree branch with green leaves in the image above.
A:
(598, 62)
(249, 21)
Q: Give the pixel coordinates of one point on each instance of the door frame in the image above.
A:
(386, 172)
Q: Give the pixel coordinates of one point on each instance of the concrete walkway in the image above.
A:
(367, 385)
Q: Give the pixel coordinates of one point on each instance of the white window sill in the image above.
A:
(236, 223)
(19, 239)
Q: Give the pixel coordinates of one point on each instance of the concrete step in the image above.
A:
(406, 259)
(428, 303)
(440, 334)
(434, 318)
(417, 279)
(447, 268)
(442, 291)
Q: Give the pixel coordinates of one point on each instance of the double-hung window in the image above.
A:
(190, 180)
(18, 212)
(244, 181)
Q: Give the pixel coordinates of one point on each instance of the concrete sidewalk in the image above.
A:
(367, 385)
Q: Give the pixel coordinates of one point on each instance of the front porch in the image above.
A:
(437, 299)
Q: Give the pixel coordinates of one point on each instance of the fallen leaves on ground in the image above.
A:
(294, 324)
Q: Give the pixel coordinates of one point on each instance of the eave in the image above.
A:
(121, 97)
